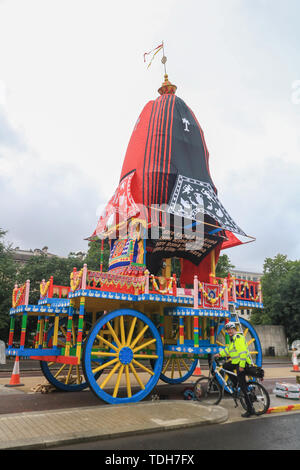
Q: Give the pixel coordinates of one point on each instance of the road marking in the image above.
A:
(169, 422)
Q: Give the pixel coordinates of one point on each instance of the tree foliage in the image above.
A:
(281, 295)
(8, 272)
(42, 267)
(92, 258)
(223, 266)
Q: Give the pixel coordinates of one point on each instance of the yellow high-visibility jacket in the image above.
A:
(237, 350)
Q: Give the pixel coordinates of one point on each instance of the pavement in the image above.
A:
(49, 428)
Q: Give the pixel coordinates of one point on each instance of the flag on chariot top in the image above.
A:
(154, 52)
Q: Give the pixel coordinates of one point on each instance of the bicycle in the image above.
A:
(209, 391)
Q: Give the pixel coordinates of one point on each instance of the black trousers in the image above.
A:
(239, 380)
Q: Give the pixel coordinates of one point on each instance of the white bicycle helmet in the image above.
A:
(230, 324)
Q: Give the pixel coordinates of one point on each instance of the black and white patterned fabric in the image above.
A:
(192, 197)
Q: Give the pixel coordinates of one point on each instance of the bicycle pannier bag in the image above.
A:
(255, 371)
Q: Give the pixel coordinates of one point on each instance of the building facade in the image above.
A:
(22, 256)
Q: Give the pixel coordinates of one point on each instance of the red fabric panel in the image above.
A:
(232, 241)
(134, 158)
(189, 270)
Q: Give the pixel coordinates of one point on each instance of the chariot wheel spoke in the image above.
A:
(60, 370)
(128, 384)
(107, 342)
(173, 368)
(69, 374)
(137, 363)
(139, 336)
(122, 327)
(144, 345)
(65, 376)
(78, 375)
(116, 389)
(132, 341)
(106, 364)
(178, 367)
(185, 365)
(114, 335)
(109, 376)
(104, 354)
(132, 326)
(166, 366)
(137, 376)
(145, 356)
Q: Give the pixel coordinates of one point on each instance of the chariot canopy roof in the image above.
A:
(165, 176)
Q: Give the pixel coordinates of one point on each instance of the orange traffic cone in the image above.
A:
(197, 370)
(15, 377)
(295, 362)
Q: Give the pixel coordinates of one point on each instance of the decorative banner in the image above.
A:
(191, 197)
(121, 203)
(212, 294)
(108, 279)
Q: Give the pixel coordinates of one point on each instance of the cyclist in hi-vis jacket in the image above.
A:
(238, 352)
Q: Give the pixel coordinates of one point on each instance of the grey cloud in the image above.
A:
(265, 201)
(59, 210)
(9, 137)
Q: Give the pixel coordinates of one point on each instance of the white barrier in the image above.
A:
(2, 353)
(286, 390)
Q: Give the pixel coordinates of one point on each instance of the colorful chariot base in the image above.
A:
(120, 338)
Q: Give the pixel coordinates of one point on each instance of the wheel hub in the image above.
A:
(125, 355)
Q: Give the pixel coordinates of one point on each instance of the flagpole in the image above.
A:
(163, 58)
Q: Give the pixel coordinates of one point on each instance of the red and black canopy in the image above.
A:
(166, 174)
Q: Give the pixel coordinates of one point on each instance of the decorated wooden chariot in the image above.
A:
(121, 331)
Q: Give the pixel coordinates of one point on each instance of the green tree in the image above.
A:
(8, 270)
(223, 266)
(281, 295)
(92, 258)
(42, 267)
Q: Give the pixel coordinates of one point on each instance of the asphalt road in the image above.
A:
(18, 403)
(267, 433)
(276, 432)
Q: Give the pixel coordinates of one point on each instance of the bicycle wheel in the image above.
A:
(208, 391)
(259, 397)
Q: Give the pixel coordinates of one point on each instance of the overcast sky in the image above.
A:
(73, 82)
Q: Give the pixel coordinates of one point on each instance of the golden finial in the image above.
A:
(167, 88)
